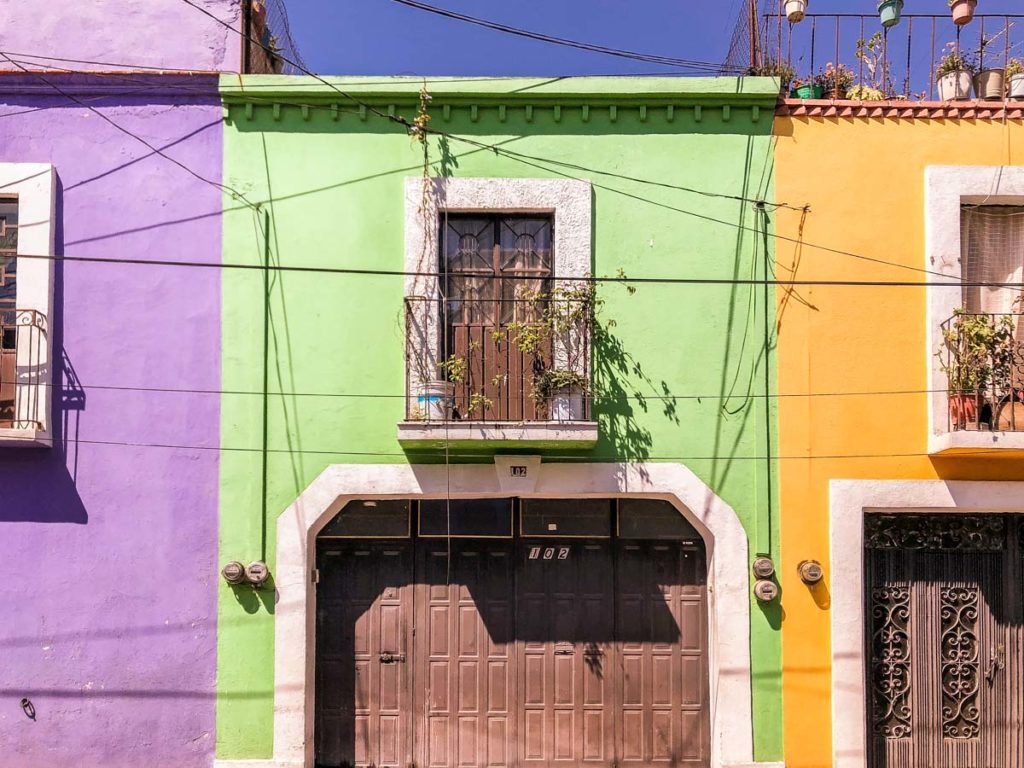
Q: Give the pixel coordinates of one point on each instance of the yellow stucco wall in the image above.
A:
(864, 182)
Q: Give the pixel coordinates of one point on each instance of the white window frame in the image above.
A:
(567, 201)
(34, 186)
(947, 188)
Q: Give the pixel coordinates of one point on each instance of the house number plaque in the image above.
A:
(548, 553)
(518, 471)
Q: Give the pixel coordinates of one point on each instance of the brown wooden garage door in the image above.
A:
(558, 636)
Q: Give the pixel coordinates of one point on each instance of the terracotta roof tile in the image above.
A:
(902, 110)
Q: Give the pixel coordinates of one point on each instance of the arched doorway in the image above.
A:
(511, 631)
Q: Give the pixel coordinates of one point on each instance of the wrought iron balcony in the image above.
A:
(498, 360)
(24, 369)
(983, 359)
(896, 63)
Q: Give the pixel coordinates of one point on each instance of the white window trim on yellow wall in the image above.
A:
(947, 187)
(849, 500)
(295, 615)
(34, 186)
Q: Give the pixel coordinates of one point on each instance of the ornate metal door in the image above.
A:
(944, 641)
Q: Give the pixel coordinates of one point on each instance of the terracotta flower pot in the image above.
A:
(955, 86)
(1016, 90)
(963, 411)
(963, 11)
(796, 10)
(988, 84)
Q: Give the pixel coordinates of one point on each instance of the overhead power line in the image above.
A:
(561, 456)
(395, 118)
(35, 58)
(670, 61)
(626, 280)
(151, 147)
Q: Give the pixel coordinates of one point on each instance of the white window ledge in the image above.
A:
(972, 441)
(25, 438)
(538, 434)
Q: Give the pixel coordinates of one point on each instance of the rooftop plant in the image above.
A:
(955, 60)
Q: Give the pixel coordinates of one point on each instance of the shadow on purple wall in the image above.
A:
(45, 491)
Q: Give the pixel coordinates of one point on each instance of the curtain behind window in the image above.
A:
(992, 250)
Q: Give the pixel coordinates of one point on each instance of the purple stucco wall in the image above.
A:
(108, 541)
(122, 34)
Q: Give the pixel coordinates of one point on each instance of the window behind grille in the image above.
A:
(496, 269)
(992, 251)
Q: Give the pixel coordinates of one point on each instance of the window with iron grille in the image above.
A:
(496, 272)
(8, 294)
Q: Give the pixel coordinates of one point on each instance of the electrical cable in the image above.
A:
(561, 456)
(590, 47)
(627, 280)
(223, 188)
(362, 81)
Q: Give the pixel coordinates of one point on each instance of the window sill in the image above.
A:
(534, 434)
(30, 437)
(971, 441)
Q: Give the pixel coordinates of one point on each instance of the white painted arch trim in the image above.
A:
(728, 588)
(848, 502)
(947, 187)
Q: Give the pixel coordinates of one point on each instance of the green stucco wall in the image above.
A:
(684, 379)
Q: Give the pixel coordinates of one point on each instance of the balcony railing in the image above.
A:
(984, 363)
(498, 360)
(24, 367)
(898, 63)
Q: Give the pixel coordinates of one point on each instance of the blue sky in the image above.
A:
(381, 37)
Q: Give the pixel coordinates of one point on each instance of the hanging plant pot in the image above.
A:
(807, 92)
(963, 11)
(1016, 87)
(988, 84)
(955, 86)
(889, 11)
(796, 10)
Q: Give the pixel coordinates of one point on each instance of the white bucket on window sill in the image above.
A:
(435, 400)
(566, 404)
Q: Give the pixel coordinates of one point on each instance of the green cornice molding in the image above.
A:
(513, 92)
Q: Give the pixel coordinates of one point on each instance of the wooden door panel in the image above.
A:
(363, 615)
(661, 626)
(466, 611)
(565, 631)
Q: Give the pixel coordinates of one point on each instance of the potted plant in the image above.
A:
(807, 89)
(963, 11)
(796, 10)
(989, 84)
(557, 339)
(779, 69)
(435, 401)
(562, 391)
(835, 81)
(1015, 79)
(978, 351)
(889, 12)
(954, 74)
